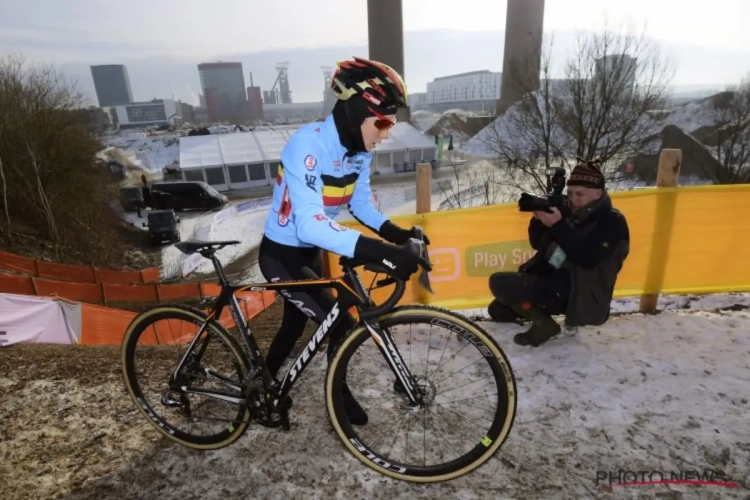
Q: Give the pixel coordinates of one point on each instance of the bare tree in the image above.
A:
(598, 109)
(613, 82)
(732, 112)
(471, 185)
(5, 198)
(55, 190)
(528, 138)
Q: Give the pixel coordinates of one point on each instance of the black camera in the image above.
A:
(554, 198)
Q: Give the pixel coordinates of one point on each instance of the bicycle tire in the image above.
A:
(228, 435)
(479, 454)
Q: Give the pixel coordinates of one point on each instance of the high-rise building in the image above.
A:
(224, 90)
(255, 104)
(471, 86)
(618, 72)
(112, 84)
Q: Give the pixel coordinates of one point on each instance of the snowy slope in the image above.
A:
(151, 153)
(664, 393)
(689, 117)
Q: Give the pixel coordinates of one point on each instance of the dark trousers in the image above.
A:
(548, 293)
(285, 263)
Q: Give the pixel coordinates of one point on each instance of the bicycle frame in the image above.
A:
(351, 293)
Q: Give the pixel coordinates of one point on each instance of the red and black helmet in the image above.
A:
(377, 83)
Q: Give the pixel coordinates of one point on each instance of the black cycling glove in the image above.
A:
(398, 235)
(400, 260)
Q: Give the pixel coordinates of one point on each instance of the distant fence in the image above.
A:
(104, 293)
(107, 326)
(75, 274)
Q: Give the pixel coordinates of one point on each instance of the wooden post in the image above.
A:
(424, 188)
(670, 161)
(424, 206)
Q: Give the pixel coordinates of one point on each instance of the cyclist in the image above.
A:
(323, 167)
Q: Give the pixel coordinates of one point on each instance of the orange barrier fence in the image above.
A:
(103, 293)
(683, 240)
(75, 274)
(106, 326)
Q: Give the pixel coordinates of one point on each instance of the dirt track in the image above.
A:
(67, 418)
(70, 431)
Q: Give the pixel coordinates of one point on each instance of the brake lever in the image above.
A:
(418, 246)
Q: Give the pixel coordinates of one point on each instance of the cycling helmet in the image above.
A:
(377, 83)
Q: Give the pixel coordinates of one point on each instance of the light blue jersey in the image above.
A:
(313, 182)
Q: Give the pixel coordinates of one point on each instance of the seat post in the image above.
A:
(219, 270)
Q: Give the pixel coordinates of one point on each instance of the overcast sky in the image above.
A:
(73, 30)
(96, 31)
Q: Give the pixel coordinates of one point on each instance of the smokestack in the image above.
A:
(251, 78)
(523, 51)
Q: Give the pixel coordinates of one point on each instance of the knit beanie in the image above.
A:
(587, 174)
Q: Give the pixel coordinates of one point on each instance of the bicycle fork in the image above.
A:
(384, 340)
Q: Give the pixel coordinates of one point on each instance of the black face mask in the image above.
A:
(348, 117)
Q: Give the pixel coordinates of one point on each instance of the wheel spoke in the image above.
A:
(203, 406)
(461, 420)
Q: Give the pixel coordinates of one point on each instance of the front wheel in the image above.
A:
(469, 387)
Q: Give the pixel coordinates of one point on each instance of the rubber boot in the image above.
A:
(354, 412)
(502, 314)
(543, 327)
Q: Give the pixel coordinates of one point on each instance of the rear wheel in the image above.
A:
(157, 340)
(477, 377)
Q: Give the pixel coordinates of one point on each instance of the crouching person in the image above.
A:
(574, 270)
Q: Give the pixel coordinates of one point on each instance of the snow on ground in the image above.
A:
(423, 123)
(246, 227)
(688, 117)
(666, 302)
(665, 393)
(151, 153)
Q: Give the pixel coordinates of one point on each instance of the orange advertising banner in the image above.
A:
(692, 239)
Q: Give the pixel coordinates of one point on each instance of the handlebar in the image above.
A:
(415, 245)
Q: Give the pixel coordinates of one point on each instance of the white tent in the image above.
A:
(250, 159)
(404, 148)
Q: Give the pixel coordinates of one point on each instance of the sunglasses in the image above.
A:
(382, 123)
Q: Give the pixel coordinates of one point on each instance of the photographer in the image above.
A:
(580, 251)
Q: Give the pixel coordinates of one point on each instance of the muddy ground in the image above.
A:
(67, 417)
(69, 430)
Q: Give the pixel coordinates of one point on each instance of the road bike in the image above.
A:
(244, 384)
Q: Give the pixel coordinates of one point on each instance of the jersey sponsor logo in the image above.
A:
(354, 162)
(310, 162)
(320, 217)
(337, 164)
(310, 181)
(285, 209)
(336, 226)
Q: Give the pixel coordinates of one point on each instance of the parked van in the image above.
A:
(185, 195)
(162, 226)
